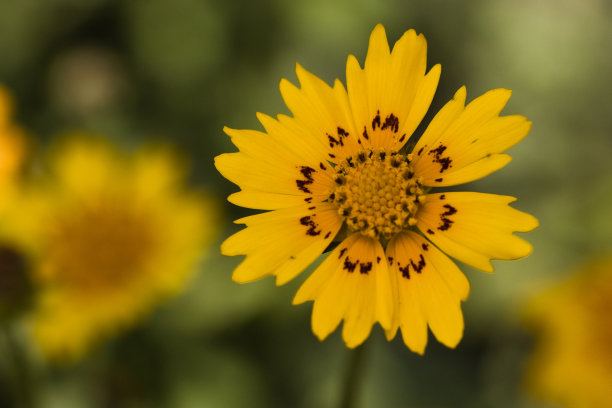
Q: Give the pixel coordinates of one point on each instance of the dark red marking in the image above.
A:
(376, 120)
(405, 270)
(302, 184)
(418, 267)
(333, 142)
(350, 266)
(391, 122)
(447, 222)
(365, 133)
(445, 162)
(312, 226)
(365, 268)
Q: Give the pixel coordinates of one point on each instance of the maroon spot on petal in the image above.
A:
(445, 162)
(308, 179)
(333, 142)
(376, 121)
(391, 122)
(350, 266)
(447, 222)
(365, 268)
(312, 226)
(418, 267)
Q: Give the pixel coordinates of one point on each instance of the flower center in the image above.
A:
(377, 193)
(99, 248)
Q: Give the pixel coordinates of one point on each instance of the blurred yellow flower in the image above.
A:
(341, 169)
(572, 362)
(110, 236)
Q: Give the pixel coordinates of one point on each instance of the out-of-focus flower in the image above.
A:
(572, 360)
(341, 169)
(110, 235)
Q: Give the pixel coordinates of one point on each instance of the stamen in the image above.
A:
(378, 194)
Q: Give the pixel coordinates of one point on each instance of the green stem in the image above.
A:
(353, 376)
(21, 381)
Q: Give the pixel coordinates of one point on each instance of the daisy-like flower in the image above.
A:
(574, 340)
(110, 235)
(340, 169)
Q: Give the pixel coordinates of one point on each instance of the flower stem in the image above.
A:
(353, 374)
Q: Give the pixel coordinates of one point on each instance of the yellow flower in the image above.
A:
(339, 169)
(572, 361)
(110, 236)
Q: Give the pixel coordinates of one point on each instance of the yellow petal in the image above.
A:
(282, 242)
(463, 143)
(296, 138)
(430, 288)
(351, 284)
(267, 176)
(475, 227)
(323, 111)
(391, 95)
(268, 201)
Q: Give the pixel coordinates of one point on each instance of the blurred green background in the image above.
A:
(178, 71)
